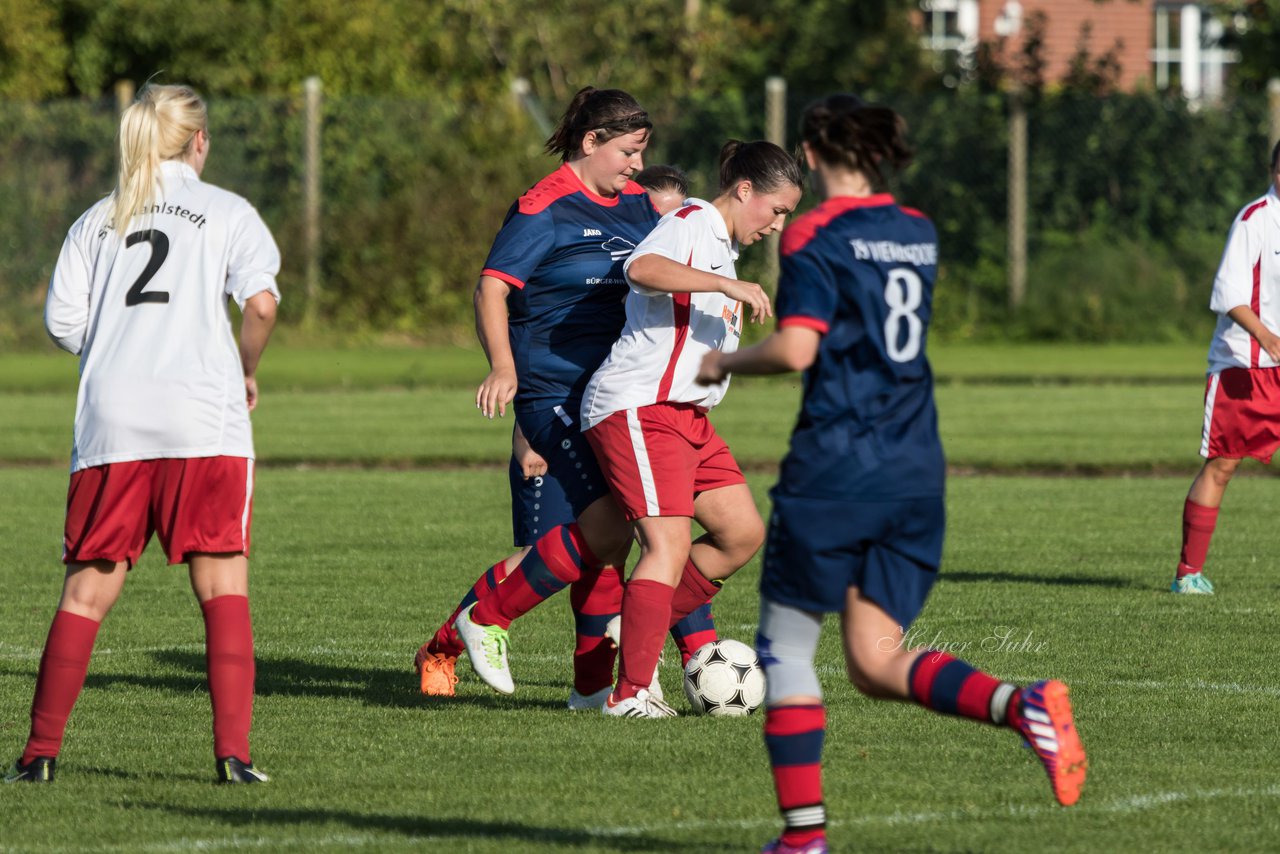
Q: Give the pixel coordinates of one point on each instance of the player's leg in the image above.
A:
(646, 606)
(650, 465)
(556, 561)
(221, 585)
(435, 660)
(1241, 419)
(893, 580)
(88, 592)
(794, 724)
(727, 512)
(106, 530)
(734, 532)
(881, 666)
(203, 509)
(803, 576)
(1199, 518)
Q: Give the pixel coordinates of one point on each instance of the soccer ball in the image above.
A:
(724, 677)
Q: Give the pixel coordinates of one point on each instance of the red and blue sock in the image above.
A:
(596, 598)
(694, 632)
(793, 736)
(446, 640)
(556, 561)
(945, 684)
(63, 666)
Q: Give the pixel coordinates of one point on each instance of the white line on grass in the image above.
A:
(1134, 803)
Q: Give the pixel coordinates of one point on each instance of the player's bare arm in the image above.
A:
(499, 387)
(532, 464)
(255, 331)
(660, 273)
(1249, 321)
(791, 348)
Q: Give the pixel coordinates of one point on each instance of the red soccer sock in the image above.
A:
(1198, 523)
(229, 661)
(646, 616)
(793, 736)
(555, 562)
(693, 591)
(596, 598)
(946, 684)
(63, 666)
(446, 641)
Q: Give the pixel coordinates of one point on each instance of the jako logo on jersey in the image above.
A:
(617, 248)
(591, 232)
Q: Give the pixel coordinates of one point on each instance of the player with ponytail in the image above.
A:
(858, 514)
(162, 440)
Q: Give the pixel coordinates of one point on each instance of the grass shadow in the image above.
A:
(1113, 581)
(295, 677)
(437, 829)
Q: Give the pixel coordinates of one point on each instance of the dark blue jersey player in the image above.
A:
(549, 307)
(858, 519)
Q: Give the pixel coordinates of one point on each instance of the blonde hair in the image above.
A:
(159, 125)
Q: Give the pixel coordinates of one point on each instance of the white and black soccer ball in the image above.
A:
(724, 677)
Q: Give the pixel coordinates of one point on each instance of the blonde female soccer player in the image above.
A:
(162, 442)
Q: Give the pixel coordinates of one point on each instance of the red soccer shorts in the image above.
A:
(658, 458)
(1242, 414)
(203, 504)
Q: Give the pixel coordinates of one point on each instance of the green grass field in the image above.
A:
(364, 539)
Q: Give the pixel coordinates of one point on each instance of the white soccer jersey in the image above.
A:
(160, 372)
(1248, 275)
(666, 335)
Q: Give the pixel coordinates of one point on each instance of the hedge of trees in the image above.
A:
(424, 147)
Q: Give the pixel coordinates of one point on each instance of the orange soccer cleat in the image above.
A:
(1049, 729)
(436, 671)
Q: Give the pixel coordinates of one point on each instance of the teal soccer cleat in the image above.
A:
(1194, 582)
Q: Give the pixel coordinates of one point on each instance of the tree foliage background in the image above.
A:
(424, 146)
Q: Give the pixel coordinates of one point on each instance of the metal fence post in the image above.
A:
(1017, 200)
(311, 200)
(775, 123)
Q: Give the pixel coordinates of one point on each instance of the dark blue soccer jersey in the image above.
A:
(861, 272)
(561, 248)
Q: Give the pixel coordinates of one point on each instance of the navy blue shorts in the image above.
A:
(820, 547)
(571, 463)
(537, 505)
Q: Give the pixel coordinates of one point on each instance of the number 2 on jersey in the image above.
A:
(903, 294)
(159, 251)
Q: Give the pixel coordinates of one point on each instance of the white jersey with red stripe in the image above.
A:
(666, 335)
(1249, 275)
(160, 372)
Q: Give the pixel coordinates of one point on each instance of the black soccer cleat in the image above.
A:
(232, 770)
(38, 770)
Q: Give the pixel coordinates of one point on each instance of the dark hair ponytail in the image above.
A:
(665, 179)
(764, 164)
(844, 131)
(608, 112)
